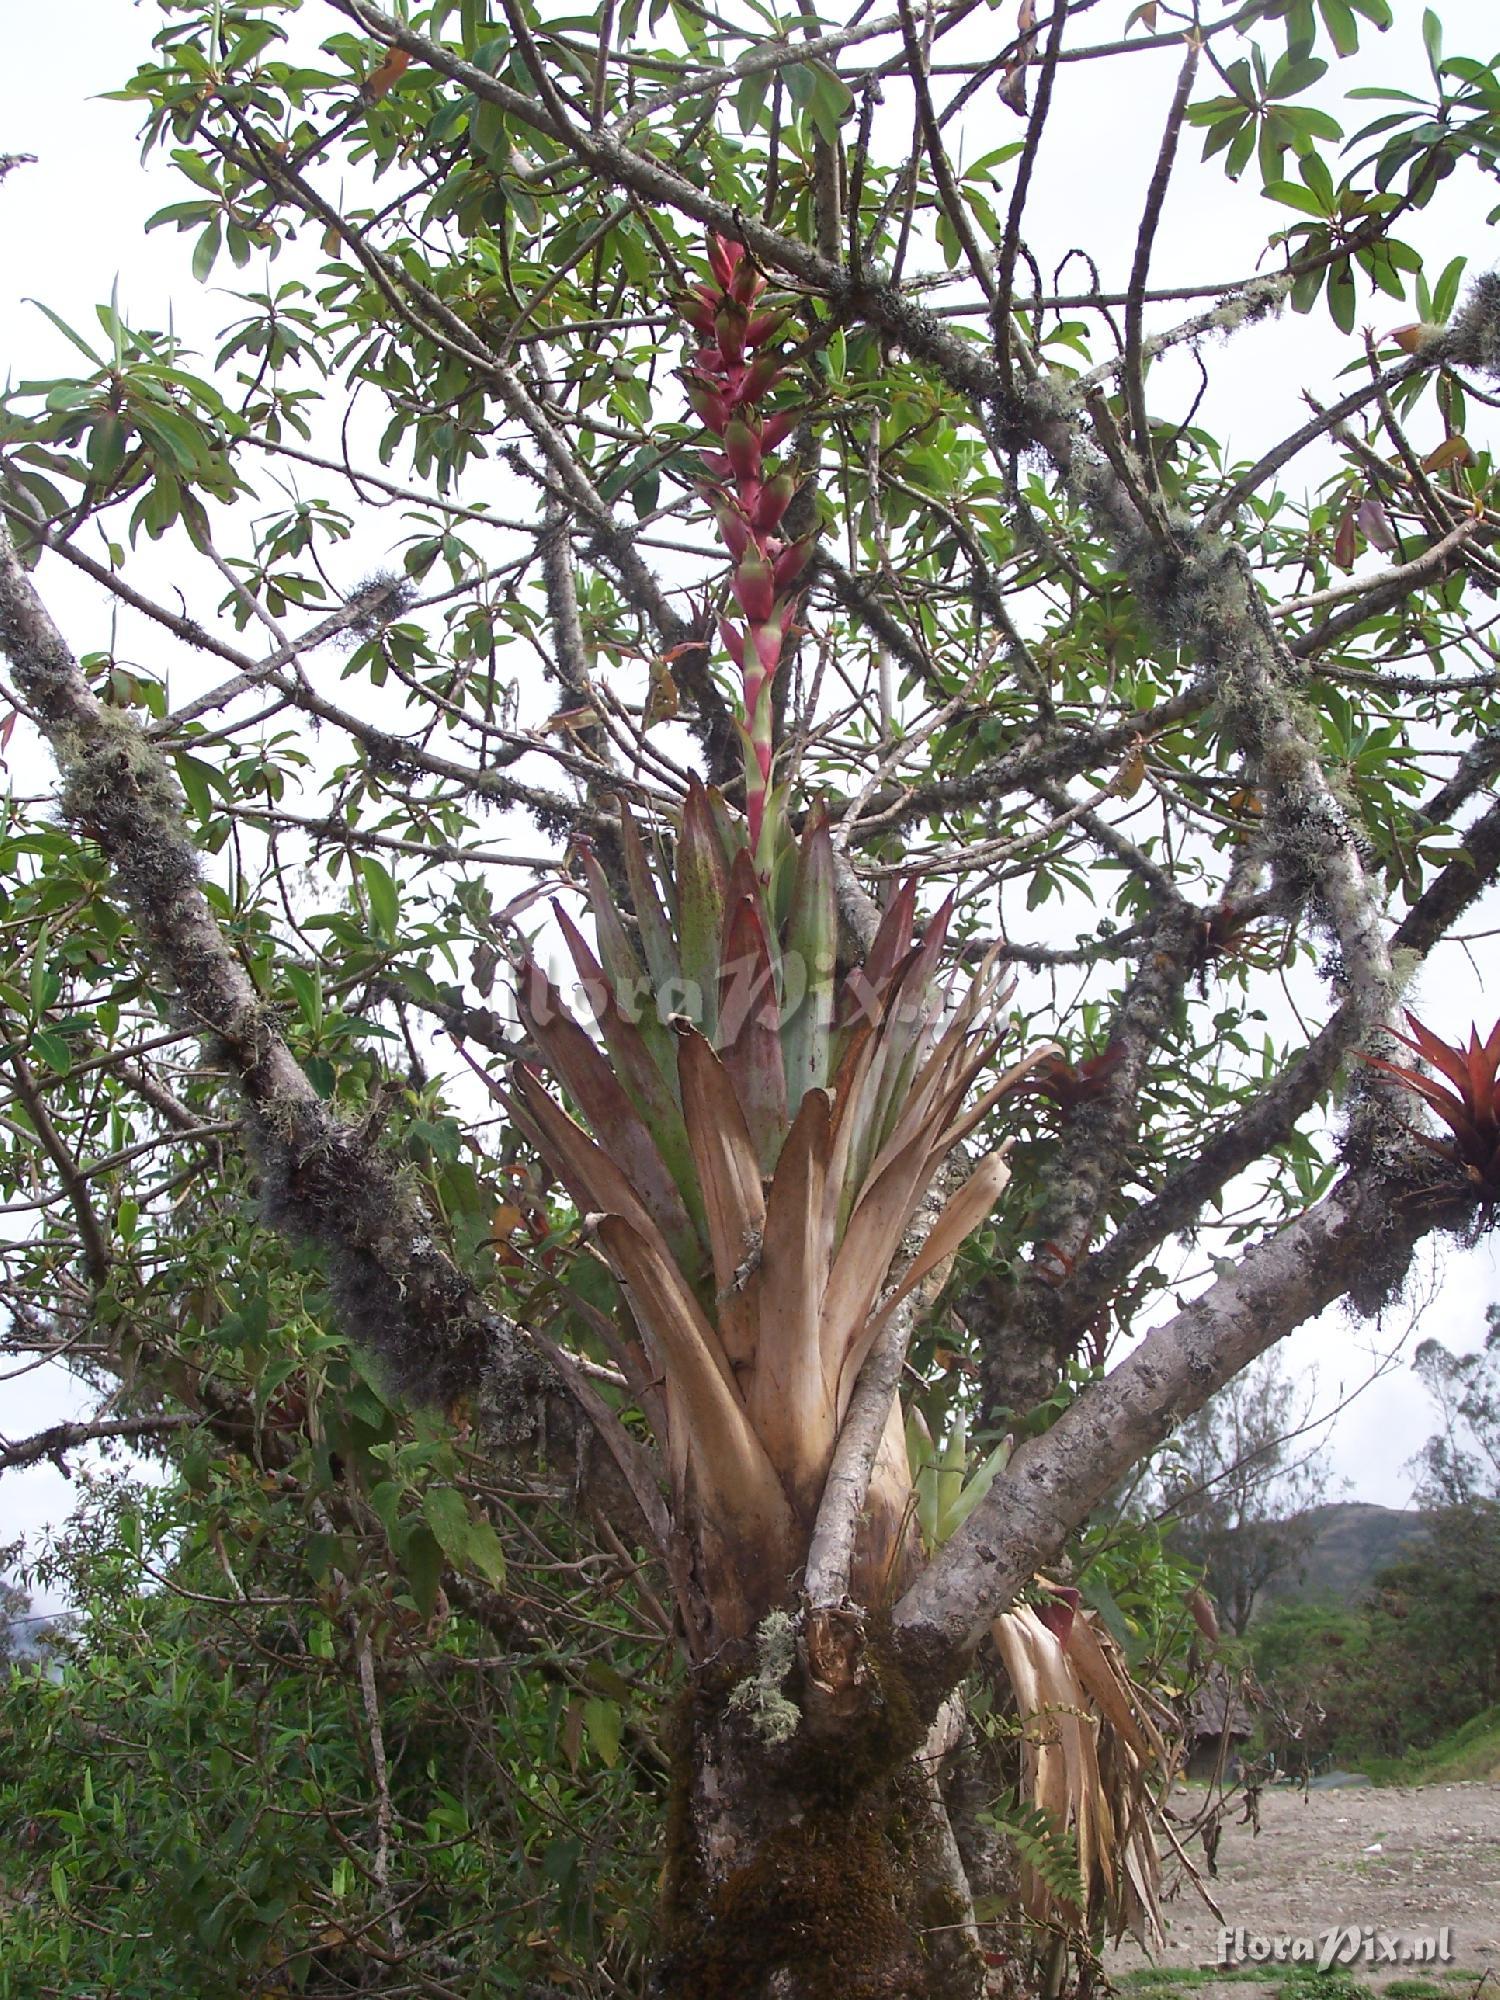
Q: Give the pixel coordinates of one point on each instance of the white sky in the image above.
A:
(72, 225)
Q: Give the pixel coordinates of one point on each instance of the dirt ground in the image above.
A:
(1404, 1862)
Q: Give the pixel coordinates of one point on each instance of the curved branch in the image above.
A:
(1134, 376)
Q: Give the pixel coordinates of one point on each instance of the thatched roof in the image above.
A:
(1218, 1710)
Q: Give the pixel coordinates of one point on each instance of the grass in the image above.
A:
(1305, 1982)
(1464, 1756)
(1151, 1979)
(1293, 1982)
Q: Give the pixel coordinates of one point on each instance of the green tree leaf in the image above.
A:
(384, 897)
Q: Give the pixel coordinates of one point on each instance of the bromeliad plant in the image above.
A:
(760, 1138)
(755, 1137)
(1471, 1110)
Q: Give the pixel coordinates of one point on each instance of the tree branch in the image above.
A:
(1357, 1241)
(61, 1438)
(397, 1292)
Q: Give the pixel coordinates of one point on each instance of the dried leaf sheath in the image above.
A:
(1092, 1763)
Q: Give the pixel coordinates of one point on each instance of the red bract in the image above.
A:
(775, 498)
(723, 256)
(698, 309)
(742, 449)
(734, 642)
(1471, 1110)
(730, 323)
(769, 638)
(733, 527)
(791, 562)
(1069, 1084)
(1058, 1610)
(766, 326)
(776, 430)
(709, 405)
(755, 589)
(761, 378)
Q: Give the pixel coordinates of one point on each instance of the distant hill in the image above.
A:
(1353, 1540)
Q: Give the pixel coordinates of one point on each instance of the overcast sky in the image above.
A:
(72, 226)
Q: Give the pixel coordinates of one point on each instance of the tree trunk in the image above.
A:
(819, 1867)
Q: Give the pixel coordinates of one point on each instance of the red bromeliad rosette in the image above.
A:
(1470, 1110)
(726, 380)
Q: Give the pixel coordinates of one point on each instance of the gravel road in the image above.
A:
(1403, 1862)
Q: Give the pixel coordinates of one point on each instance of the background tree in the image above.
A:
(1460, 1463)
(1448, 1592)
(15, 1604)
(299, 1784)
(1420, 1657)
(1027, 632)
(1237, 1486)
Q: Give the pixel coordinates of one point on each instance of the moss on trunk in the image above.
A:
(805, 1870)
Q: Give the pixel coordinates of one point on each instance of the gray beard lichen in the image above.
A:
(1473, 339)
(770, 1713)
